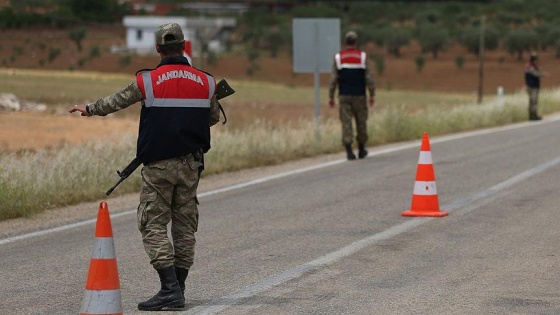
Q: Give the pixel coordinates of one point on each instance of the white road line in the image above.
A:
(224, 302)
(374, 152)
(57, 229)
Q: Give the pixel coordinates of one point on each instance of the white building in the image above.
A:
(140, 31)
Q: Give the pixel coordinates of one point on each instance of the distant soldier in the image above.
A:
(352, 75)
(533, 76)
(179, 105)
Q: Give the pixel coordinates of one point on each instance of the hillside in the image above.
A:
(26, 49)
(31, 49)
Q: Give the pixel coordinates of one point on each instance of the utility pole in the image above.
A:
(481, 60)
(201, 36)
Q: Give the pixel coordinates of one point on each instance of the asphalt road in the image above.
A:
(330, 239)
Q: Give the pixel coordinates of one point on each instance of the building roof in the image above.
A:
(192, 22)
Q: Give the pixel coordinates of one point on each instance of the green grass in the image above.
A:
(35, 181)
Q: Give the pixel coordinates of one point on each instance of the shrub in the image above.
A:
(53, 53)
(18, 50)
(420, 63)
(77, 35)
(459, 62)
(125, 60)
(379, 64)
(95, 52)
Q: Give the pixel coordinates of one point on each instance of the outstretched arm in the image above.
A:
(110, 104)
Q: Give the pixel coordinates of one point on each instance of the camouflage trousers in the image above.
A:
(353, 107)
(533, 100)
(169, 195)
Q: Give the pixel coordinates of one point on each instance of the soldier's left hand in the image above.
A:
(79, 108)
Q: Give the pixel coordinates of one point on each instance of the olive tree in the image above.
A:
(396, 38)
(77, 35)
(470, 39)
(521, 40)
(432, 39)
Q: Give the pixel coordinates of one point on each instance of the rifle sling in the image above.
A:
(223, 113)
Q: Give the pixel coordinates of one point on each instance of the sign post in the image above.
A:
(315, 41)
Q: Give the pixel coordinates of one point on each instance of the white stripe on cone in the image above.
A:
(425, 157)
(425, 188)
(103, 248)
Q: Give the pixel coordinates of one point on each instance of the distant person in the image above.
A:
(533, 76)
(352, 75)
(178, 107)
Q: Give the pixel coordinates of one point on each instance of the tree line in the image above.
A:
(516, 26)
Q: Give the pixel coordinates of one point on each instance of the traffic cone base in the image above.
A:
(106, 302)
(411, 213)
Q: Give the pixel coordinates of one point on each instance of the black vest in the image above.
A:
(531, 80)
(175, 114)
(351, 65)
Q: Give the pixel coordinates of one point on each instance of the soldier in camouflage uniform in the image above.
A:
(352, 76)
(178, 107)
(533, 83)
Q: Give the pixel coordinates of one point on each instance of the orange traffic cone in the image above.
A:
(102, 292)
(424, 198)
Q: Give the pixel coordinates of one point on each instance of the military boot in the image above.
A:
(349, 154)
(362, 152)
(533, 115)
(169, 296)
(181, 274)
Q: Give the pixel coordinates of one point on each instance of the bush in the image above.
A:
(53, 53)
(77, 35)
(18, 50)
(125, 60)
(379, 64)
(82, 61)
(420, 63)
(252, 56)
(211, 58)
(459, 62)
(94, 52)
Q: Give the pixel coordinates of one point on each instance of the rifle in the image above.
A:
(223, 89)
(129, 169)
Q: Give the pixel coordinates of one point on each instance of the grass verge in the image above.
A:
(34, 181)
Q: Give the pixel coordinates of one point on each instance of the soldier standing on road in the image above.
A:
(533, 82)
(352, 75)
(178, 107)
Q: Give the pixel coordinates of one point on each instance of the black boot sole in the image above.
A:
(177, 305)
